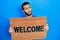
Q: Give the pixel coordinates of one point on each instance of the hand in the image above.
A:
(10, 30)
(46, 28)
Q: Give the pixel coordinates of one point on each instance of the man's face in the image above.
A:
(27, 10)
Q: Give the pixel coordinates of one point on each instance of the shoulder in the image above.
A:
(33, 16)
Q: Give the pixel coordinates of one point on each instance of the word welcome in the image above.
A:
(22, 29)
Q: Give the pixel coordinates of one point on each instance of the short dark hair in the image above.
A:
(25, 3)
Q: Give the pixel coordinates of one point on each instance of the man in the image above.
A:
(28, 11)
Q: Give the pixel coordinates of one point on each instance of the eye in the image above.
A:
(29, 7)
(26, 8)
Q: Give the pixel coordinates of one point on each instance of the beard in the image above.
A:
(28, 14)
